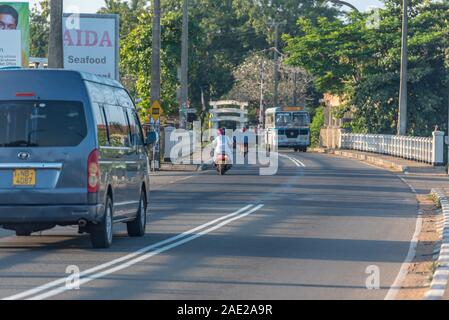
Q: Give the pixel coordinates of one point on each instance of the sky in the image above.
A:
(90, 6)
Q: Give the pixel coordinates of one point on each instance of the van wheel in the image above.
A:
(101, 234)
(137, 227)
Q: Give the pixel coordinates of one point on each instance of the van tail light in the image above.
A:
(93, 172)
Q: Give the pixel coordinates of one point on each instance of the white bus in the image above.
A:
(287, 127)
(229, 114)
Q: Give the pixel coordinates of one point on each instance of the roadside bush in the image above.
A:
(315, 127)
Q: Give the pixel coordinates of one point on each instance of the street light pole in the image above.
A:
(402, 118)
(345, 3)
(184, 64)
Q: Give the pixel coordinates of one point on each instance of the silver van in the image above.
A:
(72, 152)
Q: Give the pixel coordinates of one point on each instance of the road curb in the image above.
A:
(441, 275)
(372, 159)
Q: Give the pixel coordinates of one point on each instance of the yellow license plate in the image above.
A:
(24, 177)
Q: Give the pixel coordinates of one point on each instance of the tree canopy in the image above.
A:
(361, 63)
(222, 34)
(340, 50)
(39, 29)
(129, 12)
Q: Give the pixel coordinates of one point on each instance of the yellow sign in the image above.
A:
(156, 111)
(293, 109)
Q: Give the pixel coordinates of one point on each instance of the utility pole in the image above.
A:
(156, 53)
(156, 74)
(262, 98)
(184, 65)
(55, 46)
(402, 118)
(276, 25)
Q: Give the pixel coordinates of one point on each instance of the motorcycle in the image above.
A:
(222, 163)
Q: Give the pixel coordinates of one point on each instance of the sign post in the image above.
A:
(156, 112)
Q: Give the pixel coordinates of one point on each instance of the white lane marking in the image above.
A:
(397, 285)
(301, 163)
(297, 162)
(127, 257)
(144, 257)
(88, 272)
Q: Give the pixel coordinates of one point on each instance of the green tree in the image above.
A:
(294, 82)
(129, 12)
(260, 13)
(362, 64)
(39, 29)
(222, 35)
(136, 59)
(217, 46)
(316, 125)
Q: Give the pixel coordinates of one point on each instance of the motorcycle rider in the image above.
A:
(222, 146)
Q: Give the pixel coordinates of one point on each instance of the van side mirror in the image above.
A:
(152, 138)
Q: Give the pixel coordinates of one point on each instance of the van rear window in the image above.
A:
(42, 124)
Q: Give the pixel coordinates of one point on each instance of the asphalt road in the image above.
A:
(309, 232)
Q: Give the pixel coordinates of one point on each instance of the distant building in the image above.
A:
(332, 124)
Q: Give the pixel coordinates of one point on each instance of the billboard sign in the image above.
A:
(14, 34)
(91, 44)
(10, 49)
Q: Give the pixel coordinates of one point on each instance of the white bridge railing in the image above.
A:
(428, 150)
